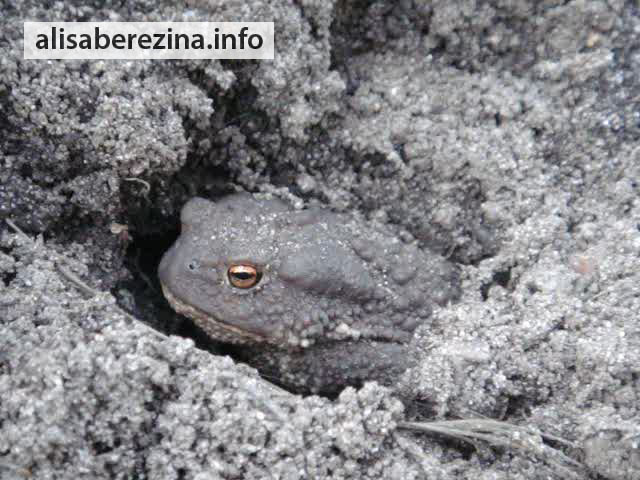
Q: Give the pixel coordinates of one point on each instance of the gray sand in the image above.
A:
(501, 133)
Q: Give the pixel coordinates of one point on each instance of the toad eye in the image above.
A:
(244, 276)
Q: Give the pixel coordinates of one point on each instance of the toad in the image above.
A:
(314, 298)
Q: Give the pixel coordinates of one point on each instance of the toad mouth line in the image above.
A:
(217, 329)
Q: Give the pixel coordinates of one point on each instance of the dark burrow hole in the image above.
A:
(8, 277)
(502, 278)
(518, 406)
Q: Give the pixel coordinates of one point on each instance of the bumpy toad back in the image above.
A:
(251, 270)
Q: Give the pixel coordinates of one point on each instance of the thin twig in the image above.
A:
(502, 434)
(17, 229)
(73, 278)
(146, 184)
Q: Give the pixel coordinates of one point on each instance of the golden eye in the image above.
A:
(244, 276)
